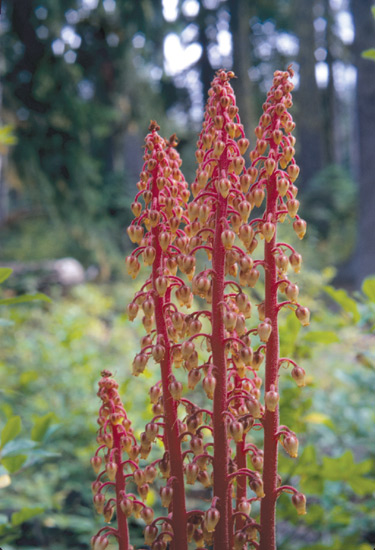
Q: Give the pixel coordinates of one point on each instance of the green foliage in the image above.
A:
(7, 136)
(24, 515)
(369, 54)
(16, 452)
(345, 470)
(70, 121)
(335, 414)
(24, 298)
(53, 357)
(13, 463)
(321, 337)
(289, 332)
(5, 272)
(41, 426)
(331, 213)
(345, 301)
(368, 288)
(11, 429)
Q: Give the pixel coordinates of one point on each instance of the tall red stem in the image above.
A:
(221, 445)
(171, 430)
(122, 524)
(271, 419)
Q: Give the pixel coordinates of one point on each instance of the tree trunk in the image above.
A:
(363, 263)
(205, 68)
(308, 118)
(240, 29)
(4, 191)
(329, 98)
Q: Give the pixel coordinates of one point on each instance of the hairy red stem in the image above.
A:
(271, 419)
(171, 431)
(221, 445)
(122, 524)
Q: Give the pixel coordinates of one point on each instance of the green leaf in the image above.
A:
(340, 468)
(5, 529)
(41, 426)
(25, 514)
(340, 515)
(346, 302)
(5, 272)
(310, 471)
(13, 463)
(11, 429)
(364, 467)
(7, 409)
(6, 135)
(344, 469)
(321, 337)
(312, 485)
(368, 287)
(362, 485)
(24, 298)
(369, 54)
(28, 376)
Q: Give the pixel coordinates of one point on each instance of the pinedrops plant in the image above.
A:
(219, 344)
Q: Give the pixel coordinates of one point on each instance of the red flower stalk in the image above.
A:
(273, 158)
(217, 346)
(219, 197)
(114, 433)
(165, 194)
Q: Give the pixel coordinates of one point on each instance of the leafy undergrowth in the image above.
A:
(51, 357)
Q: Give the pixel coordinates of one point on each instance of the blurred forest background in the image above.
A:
(80, 81)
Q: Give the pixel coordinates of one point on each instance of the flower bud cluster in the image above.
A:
(118, 453)
(164, 192)
(273, 162)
